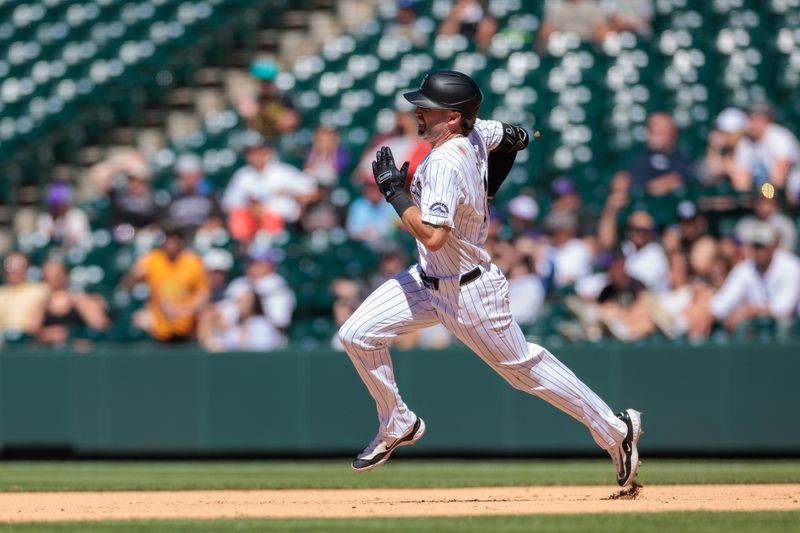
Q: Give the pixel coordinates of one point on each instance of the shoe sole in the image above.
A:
(636, 424)
(402, 442)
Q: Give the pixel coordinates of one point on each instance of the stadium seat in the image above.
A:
(589, 102)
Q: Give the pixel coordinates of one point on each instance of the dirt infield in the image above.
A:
(63, 506)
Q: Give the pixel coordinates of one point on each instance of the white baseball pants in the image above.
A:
(478, 314)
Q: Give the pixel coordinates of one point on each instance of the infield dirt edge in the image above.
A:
(362, 503)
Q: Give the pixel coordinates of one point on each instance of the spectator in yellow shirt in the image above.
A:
(19, 296)
(178, 285)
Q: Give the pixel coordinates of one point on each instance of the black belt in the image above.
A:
(433, 283)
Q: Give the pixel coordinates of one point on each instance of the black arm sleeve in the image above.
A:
(501, 159)
(499, 166)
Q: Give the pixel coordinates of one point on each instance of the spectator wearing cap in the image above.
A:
(256, 311)
(19, 296)
(766, 209)
(769, 154)
(243, 198)
(661, 168)
(766, 284)
(66, 311)
(621, 306)
(132, 202)
(690, 237)
(523, 210)
(178, 288)
(370, 218)
(624, 302)
(565, 197)
(570, 256)
(271, 112)
(193, 206)
(407, 26)
(719, 164)
(266, 193)
(645, 259)
(62, 222)
(218, 263)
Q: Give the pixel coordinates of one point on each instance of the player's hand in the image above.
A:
(390, 180)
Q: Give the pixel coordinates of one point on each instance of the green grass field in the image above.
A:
(72, 476)
(41, 476)
(617, 523)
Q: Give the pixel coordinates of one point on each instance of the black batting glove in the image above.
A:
(391, 180)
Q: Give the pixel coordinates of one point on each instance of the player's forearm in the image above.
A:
(432, 237)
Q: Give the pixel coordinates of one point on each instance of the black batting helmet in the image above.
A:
(447, 89)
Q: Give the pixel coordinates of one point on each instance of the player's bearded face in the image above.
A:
(431, 123)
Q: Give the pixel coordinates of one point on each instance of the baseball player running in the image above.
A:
(456, 284)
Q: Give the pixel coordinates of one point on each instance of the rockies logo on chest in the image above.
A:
(416, 188)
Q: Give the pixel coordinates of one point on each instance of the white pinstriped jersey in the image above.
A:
(449, 187)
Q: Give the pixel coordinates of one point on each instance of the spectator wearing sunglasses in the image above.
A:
(766, 284)
(645, 259)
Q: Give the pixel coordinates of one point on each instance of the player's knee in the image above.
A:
(354, 338)
(347, 336)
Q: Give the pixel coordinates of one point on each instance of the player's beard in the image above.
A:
(422, 127)
(426, 131)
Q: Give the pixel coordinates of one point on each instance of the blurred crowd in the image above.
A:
(731, 266)
(189, 237)
(623, 271)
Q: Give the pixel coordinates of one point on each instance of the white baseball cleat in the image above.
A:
(626, 455)
(380, 449)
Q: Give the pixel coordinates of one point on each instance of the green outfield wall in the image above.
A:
(146, 400)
